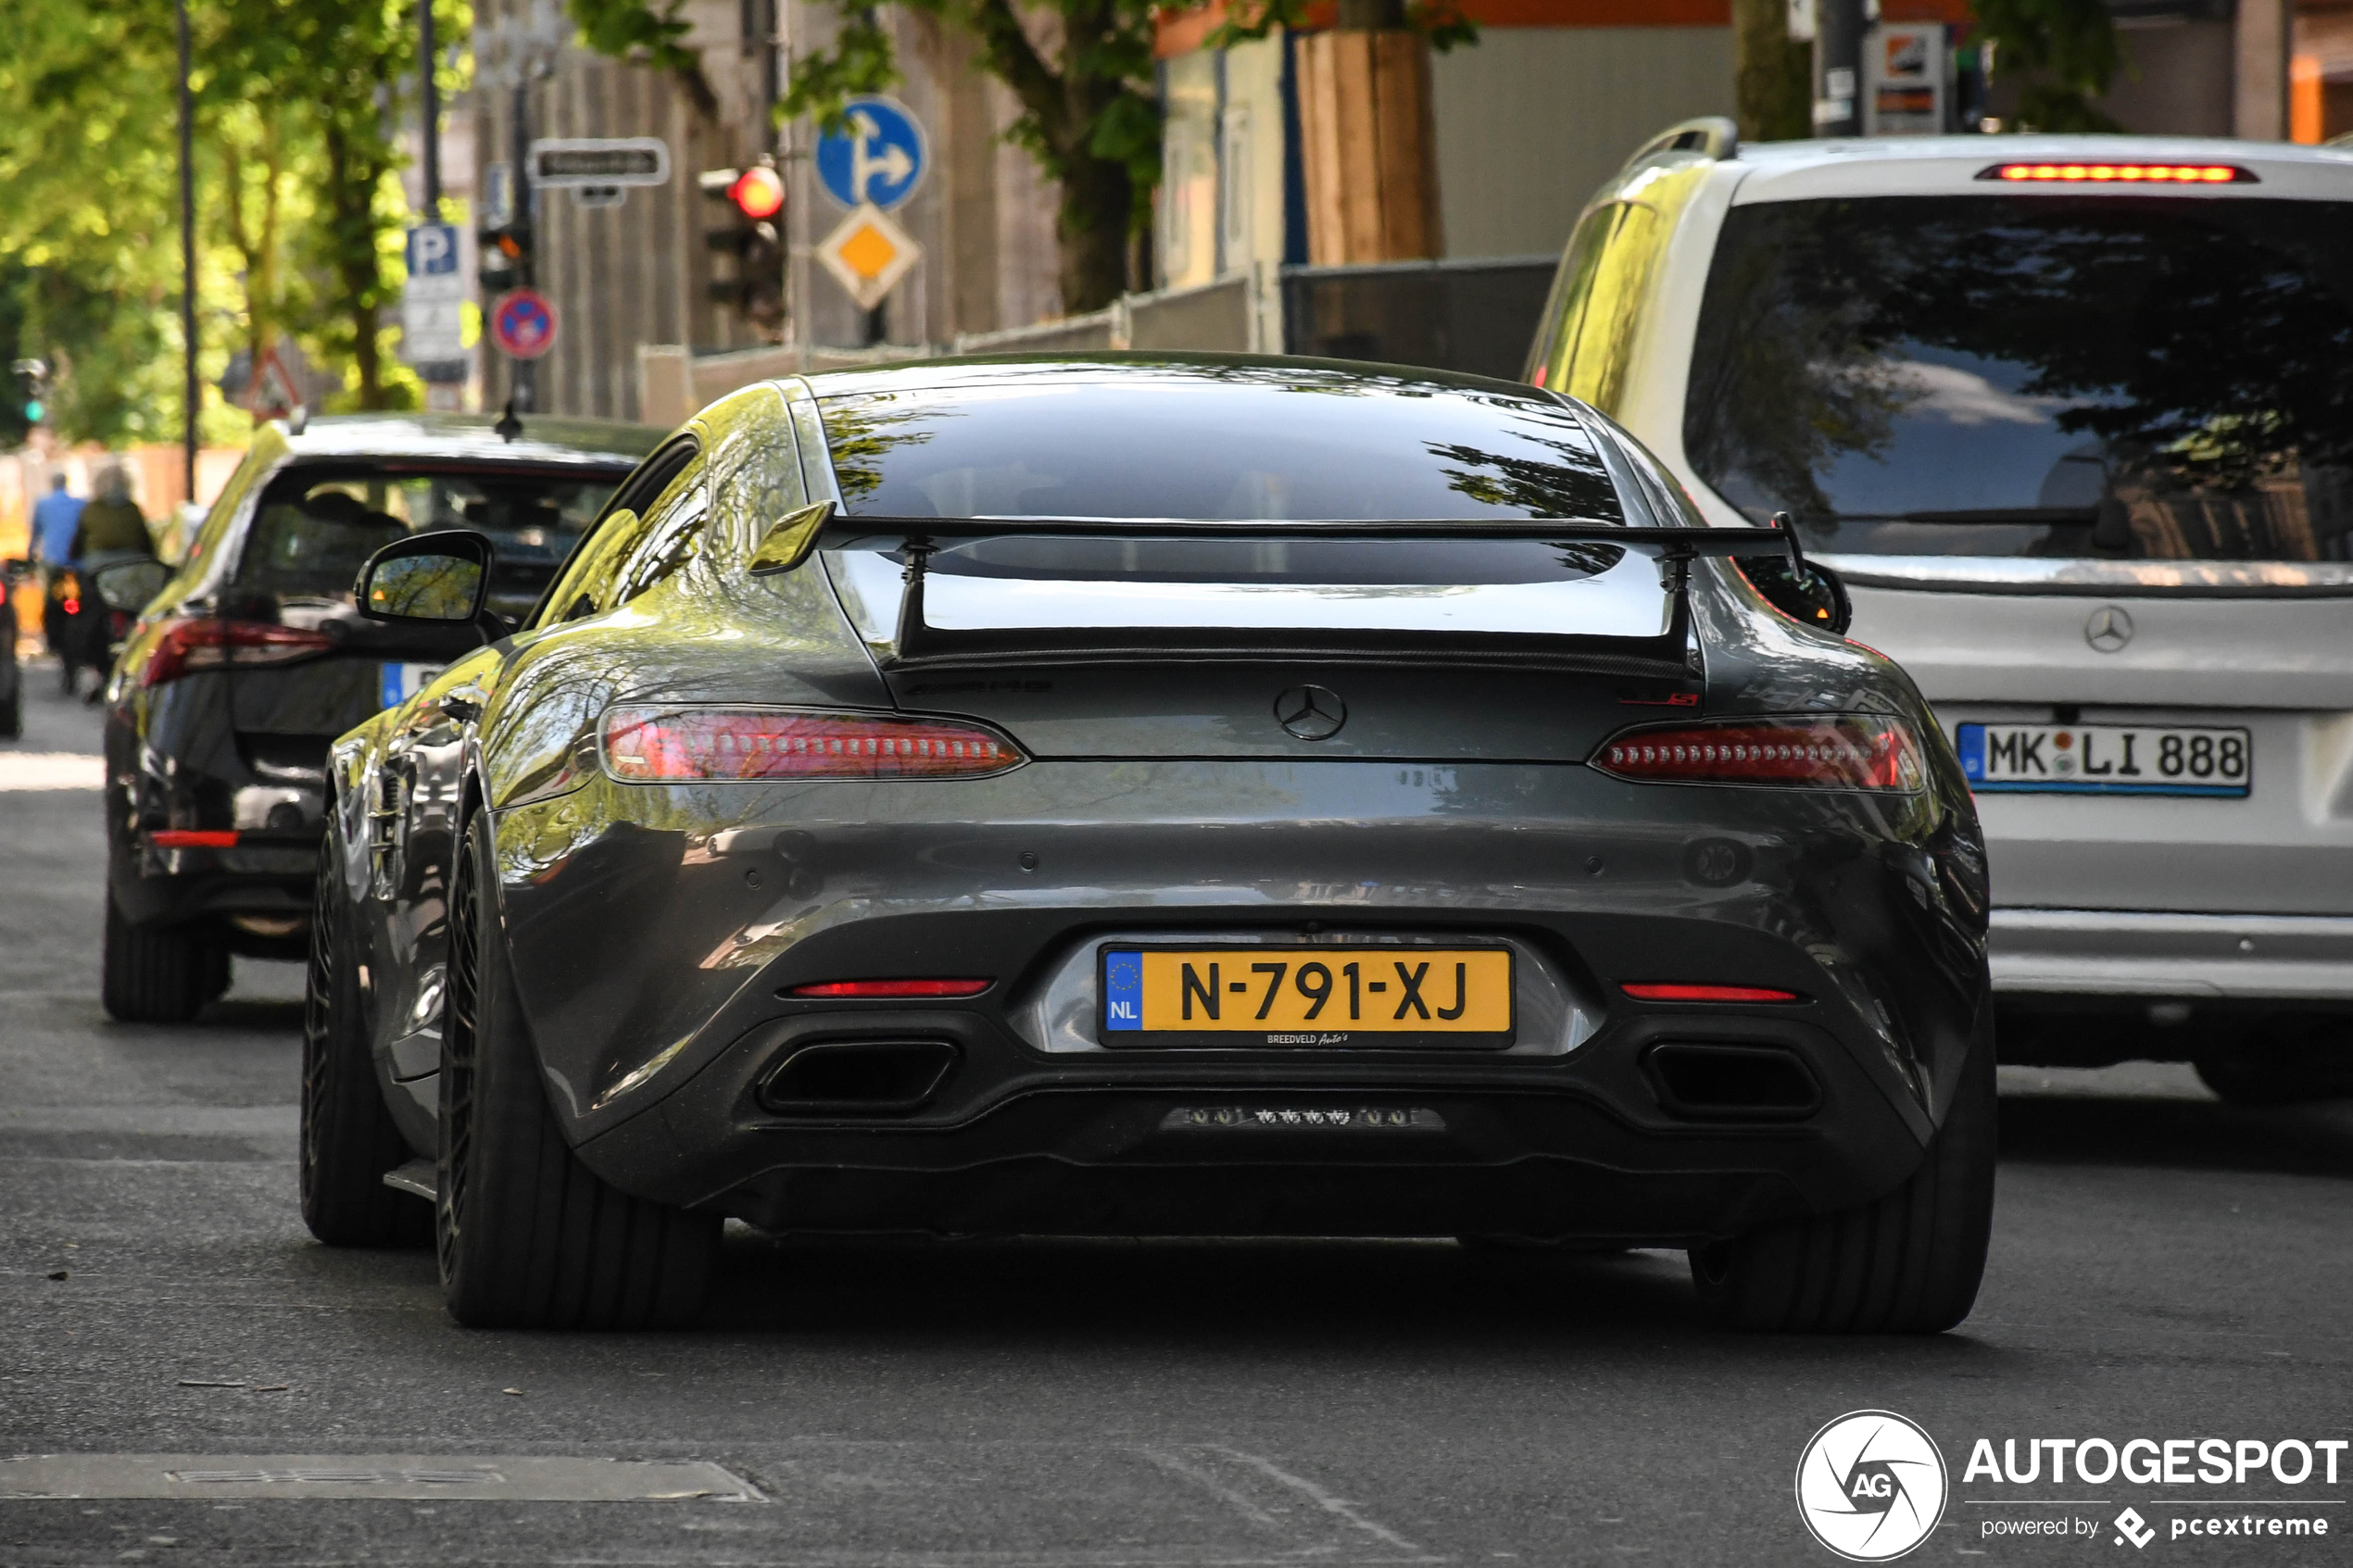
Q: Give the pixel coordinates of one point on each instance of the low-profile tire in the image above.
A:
(348, 1137)
(1908, 1264)
(157, 976)
(527, 1235)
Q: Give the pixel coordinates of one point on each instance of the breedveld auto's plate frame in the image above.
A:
(1332, 1030)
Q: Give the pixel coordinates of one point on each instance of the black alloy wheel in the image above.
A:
(348, 1137)
(1909, 1262)
(527, 1235)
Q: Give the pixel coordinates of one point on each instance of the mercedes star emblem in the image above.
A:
(2109, 630)
(1311, 712)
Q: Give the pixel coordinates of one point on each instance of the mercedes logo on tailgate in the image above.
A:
(1311, 712)
(2109, 630)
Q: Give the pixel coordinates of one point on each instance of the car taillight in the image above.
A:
(1856, 752)
(1676, 992)
(2094, 173)
(194, 839)
(187, 646)
(659, 746)
(882, 989)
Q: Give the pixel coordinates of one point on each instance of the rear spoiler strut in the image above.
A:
(826, 525)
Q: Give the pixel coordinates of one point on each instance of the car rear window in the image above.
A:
(1253, 444)
(2065, 376)
(1245, 442)
(317, 527)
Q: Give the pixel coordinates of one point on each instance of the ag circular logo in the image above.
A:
(1872, 1486)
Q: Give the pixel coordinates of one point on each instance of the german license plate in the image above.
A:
(1360, 995)
(2105, 759)
(402, 682)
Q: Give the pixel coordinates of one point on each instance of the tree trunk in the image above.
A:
(1772, 78)
(1097, 197)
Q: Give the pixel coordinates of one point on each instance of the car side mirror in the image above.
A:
(441, 578)
(127, 587)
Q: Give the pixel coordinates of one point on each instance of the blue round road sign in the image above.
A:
(879, 158)
(522, 324)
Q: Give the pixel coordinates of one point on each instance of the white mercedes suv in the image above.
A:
(2072, 417)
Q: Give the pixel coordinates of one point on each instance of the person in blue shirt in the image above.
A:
(55, 518)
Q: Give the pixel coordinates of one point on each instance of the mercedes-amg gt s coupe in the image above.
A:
(1149, 796)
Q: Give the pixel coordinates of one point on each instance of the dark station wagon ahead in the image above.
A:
(251, 660)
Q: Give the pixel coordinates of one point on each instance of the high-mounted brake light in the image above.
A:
(1674, 993)
(187, 646)
(1854, 752)
(667, 745)
(2123, 173)
(873, 989)
(194, 839)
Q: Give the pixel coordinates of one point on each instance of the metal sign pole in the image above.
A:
(191, 390)
(429, 113)
(523, 375)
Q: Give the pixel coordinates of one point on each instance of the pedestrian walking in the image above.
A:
(55, 518)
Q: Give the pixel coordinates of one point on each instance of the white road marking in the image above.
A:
(52, 770)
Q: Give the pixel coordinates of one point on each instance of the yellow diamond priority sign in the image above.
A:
(868, 253)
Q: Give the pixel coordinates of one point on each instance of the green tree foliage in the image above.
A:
(298, 106)
(1081, 71)
(2063, 55)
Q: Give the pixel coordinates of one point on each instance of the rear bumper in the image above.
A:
(1217, 1143)
(2127, 955)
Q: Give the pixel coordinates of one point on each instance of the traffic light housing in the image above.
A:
(749, 227)
(505, 258)
(33, 381)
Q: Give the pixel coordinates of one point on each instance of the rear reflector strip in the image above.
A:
(1668, 992)
(192, 838)
(887, 989)
(2123, 173)
(1856, 752)
(697, 745)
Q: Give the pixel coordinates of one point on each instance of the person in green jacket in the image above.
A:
(112, 523)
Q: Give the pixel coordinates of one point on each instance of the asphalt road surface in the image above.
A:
(221, 1389)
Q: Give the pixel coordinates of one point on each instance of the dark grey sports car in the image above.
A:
(1129, 795)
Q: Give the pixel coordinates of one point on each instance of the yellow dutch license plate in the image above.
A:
(1362, 996)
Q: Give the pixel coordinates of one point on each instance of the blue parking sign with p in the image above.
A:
(879, 157)
(433, 250)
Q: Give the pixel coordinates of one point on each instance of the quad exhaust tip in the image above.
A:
(856, 1077)
(1715, 1083)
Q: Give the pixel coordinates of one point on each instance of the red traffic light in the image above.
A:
(758, 193)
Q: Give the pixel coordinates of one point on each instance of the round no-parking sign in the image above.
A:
(522, 324)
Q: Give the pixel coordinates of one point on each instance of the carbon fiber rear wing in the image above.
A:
(827, 526)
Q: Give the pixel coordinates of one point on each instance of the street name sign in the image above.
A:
(599, 162)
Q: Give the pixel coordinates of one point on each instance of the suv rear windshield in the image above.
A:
(318, 526)
(2068, 376)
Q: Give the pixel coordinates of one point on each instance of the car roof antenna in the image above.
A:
(509, 427)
